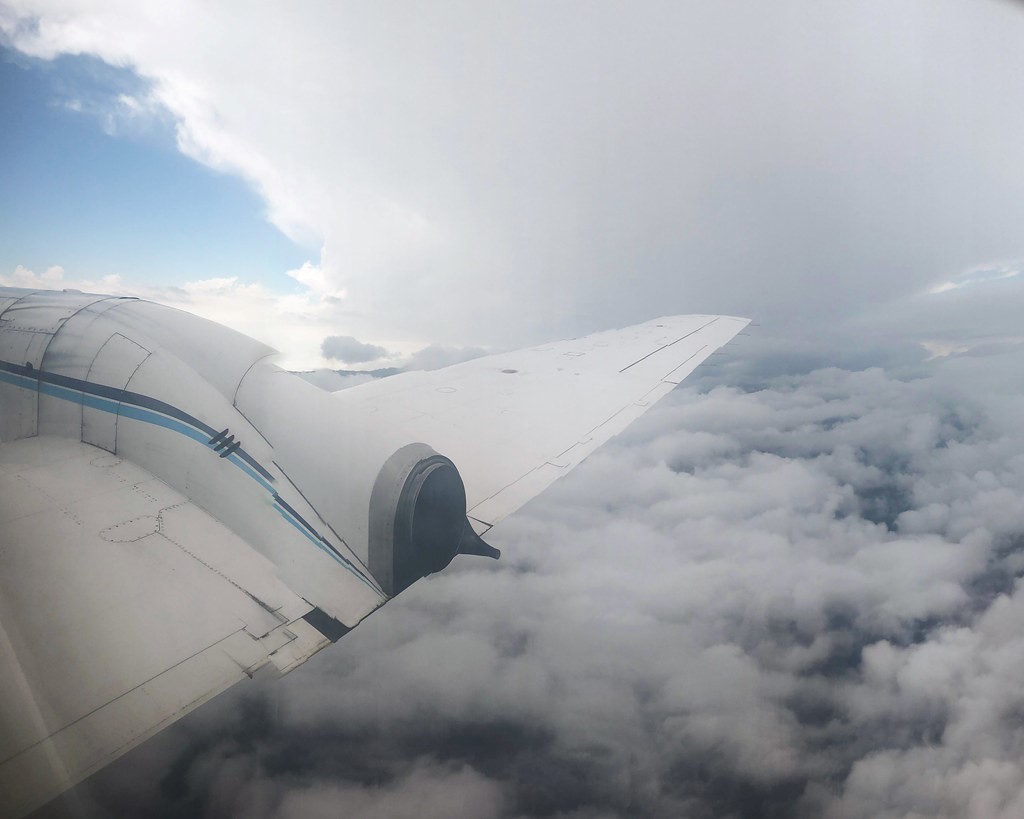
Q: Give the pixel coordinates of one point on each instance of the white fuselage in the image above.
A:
(202, 408)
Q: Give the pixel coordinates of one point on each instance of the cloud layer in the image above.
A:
(479, 174)
(350, 350)
(295, 324)
(798, 599)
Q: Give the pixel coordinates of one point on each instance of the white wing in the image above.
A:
(122, 607)
(514, 423)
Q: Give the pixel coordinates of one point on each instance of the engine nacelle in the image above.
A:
(329, 496)
(417, 517)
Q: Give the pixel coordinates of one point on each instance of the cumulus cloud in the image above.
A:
(287, 323)
(50, 279)
(295, 324)
(800, 163)
(350, 350)
(800, 598)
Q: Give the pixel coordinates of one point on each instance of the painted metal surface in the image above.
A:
(175, 510)
(114, 366)
(516, 422)
(122, 606)
(103, 373)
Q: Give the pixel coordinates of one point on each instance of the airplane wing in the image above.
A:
(516, 422)
(176, 511)
(122, 607)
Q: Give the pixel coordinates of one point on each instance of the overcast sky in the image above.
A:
(792, 588)
(499, 174)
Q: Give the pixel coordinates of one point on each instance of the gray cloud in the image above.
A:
(799, 162)
(797, 599)
(350, 350)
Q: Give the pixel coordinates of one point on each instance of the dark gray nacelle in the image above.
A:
(417, 520)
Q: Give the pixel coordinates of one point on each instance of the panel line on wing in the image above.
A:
(121, 695)
(321, 542)
(364, 568)
(666, 346)
(696, 353)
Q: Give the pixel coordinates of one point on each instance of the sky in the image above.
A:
(496, 175)
(793, 589)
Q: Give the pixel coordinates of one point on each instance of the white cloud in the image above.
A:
(294, 324)
(299, 324)
(351, 350)
(315, 279)
(802, 599)
(981, 275)
(502, 176)
(50, 279)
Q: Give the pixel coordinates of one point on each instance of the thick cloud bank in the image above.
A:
(350, 350)
(797, 599)
(504, 174)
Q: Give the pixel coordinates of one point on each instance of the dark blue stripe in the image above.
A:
(305, 523)
(224, 442)
(127, 397)
(318, 540)
(150, 410)
(288, 508)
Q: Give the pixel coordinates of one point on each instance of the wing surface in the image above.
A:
(122, 606)
(515, 422)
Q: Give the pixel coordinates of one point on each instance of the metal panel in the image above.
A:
(19, 396)
(122, 607)
(44, 311)
(221, 356)
(19, 402)
(71, 353)
(113, 366)
(28, 323)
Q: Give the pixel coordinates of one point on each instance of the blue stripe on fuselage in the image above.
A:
(123, 397)
(152, 411)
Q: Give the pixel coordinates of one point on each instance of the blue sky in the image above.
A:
(99, 194)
